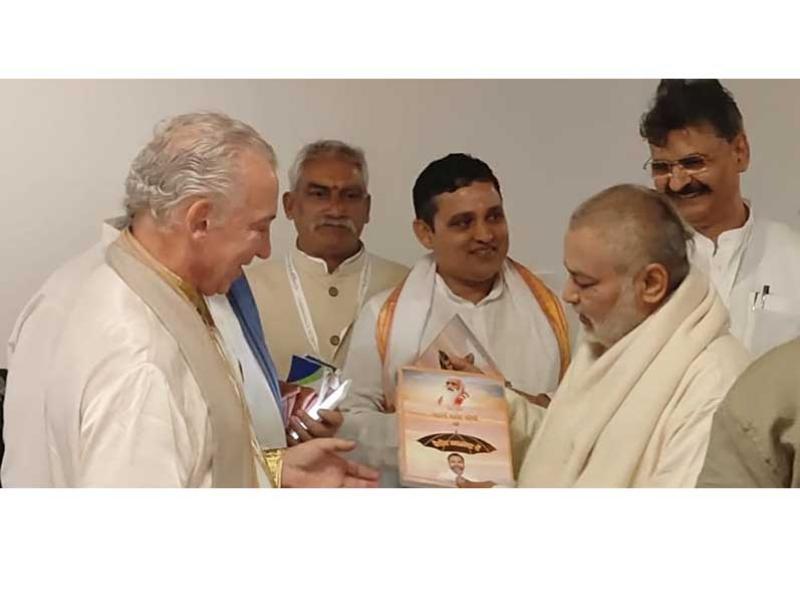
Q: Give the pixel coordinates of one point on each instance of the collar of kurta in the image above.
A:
(175, 281)
(728, 242)
(498, 287)
(312, 265)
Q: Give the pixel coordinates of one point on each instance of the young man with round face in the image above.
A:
(461, 221)
(309, 299)
(698, 152)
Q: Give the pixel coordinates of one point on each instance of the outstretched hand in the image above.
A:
(318, 463)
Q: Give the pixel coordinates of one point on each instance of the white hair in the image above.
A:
(193, 154)
(328, 148)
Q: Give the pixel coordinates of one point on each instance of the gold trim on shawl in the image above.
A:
(186, 289)
(385, 319)
(552, 310)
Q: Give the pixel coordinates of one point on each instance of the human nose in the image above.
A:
(570, 293)
(483, 232)
(264, 247)
(335, 206)
(678, 177)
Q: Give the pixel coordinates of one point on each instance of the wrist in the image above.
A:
(273, 461)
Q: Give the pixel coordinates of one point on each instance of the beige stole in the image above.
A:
(233, 459)
(600, 428)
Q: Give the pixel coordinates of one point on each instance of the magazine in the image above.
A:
(453, 429)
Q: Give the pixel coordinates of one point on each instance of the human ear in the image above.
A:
(424, 233)
(653, 285)
(198, 216)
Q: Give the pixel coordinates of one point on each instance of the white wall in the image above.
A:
(66, 147)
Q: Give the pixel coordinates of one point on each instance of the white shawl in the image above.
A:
(409, 335)
(603, 416)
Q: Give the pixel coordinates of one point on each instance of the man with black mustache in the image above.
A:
(698, 151)
(308, 300)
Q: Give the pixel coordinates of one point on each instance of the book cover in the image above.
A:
(453, 429)
(307, 370)
(456, 340)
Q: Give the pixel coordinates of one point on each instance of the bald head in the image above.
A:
(640, 227)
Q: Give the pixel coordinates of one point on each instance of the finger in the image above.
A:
(333, 418)
(332, 444)
(307, 400)
(314, 427)
(290, 441)
(362, 471)
(355, 482)
(295, 425)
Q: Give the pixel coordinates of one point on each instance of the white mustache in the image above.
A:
(331, 222)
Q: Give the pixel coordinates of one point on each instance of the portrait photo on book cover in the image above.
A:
(453, 429)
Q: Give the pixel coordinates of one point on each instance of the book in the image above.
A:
(453, 429)
(328, 389)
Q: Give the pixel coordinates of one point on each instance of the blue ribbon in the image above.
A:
(241, 299)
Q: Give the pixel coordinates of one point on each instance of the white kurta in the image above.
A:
(527, 356)
(99, 392)
(743, 261)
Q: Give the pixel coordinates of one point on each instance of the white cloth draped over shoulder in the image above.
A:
(517, 334)
(640, 414)
(101, 393)
(509, 324)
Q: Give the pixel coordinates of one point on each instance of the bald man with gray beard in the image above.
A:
(635, 407)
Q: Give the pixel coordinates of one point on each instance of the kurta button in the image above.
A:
(335, 340)
(333, 291)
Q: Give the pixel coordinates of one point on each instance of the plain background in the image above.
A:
(67, 144)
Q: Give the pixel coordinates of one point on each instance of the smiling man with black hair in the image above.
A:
(461, 221)
(698, 152)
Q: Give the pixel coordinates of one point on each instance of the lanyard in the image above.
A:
(302, 304)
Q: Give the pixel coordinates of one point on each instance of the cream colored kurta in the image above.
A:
(640, 414)
(332, 301)
(743, 261)
(526, 353)
(101, 394)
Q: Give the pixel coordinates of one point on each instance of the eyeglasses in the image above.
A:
(691, 165)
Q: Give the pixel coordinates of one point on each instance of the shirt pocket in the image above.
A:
(772, 321)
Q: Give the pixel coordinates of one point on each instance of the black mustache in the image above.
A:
(694, 187)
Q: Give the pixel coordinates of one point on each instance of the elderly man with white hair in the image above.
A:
(309, 300)
(120, 374)
(636, 405)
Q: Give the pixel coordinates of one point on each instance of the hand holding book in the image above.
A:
(320, 390)
(465, 364)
